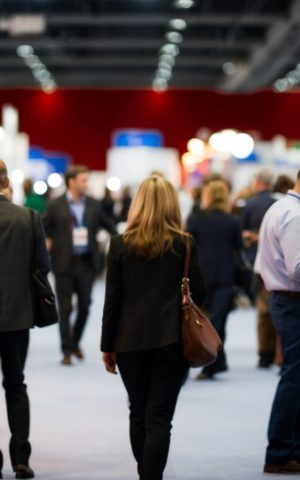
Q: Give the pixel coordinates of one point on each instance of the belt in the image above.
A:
(78, 258)
(287, 293)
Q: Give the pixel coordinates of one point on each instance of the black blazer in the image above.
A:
(58, 227)
(217, 236)
(252, 216)
(142, 308)
(16, 256)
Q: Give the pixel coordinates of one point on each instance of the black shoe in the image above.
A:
(23, 471)
(209, 374)
(266, 360)
(264, 364)
(292, 466)
(1, 464)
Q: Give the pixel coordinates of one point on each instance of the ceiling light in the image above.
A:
(184, 3)
(17, 177)
(159, 84)
(293, 76)
(223, 141)
(178, 24)
(49, 86)
(113, 184)
(167, 74)
(167, 59)
(188, 159)
(27, 24)
(42, 75)
(32, 61)
(195, 146)
(40, 187)
(281, 85)
(165, 66)
(174, 37)
(170, 49)
(54, 180)
(243, 145)
(25, 50)
(229, 68)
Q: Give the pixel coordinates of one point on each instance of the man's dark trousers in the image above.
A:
(13, 352)
(284, 426)
(78, 280)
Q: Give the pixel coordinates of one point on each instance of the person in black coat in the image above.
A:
(18, 239)
(71, 223)
(141, 328)
(252, 217)
(218, 238)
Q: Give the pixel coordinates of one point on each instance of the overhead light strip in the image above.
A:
(38, 69)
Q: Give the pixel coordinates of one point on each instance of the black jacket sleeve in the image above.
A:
(197, 283)
(41, 257)
(113, 297)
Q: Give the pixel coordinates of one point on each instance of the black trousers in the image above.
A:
(78, 280)
(153, 379)
(218, 304)
(13, 353)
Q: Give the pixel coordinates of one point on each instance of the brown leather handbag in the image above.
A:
(201, 341)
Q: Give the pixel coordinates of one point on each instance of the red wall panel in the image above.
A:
(81, 122)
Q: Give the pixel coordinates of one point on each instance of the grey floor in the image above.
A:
(79, 425)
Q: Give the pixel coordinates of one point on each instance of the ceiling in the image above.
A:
(228, 45)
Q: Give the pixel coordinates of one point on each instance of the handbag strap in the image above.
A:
(185, 278)
(187, 259)
(33, 234)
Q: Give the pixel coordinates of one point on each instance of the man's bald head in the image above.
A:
(3, 175)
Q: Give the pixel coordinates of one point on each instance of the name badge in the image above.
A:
(80, 237)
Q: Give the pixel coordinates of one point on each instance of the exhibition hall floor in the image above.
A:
(79, 418)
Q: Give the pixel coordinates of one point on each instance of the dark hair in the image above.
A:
(73, 171)
(298, 175)
(3, 173)
(283, 184)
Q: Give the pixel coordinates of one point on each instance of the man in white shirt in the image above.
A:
(278, 262)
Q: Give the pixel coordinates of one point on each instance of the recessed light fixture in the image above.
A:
(165, 74)
(281, 85)
(184, 3)
(25, 51)
(38, 69)
(170, 49)
(178, 24)
(167, 58)
(229, 68)
(159, 85)
(174, 37)
(165, 65)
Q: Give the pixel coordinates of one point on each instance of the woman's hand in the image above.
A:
(109, 360)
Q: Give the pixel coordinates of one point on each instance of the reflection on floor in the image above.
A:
(79, 426)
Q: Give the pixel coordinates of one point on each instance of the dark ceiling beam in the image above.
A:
(82, 78)
(159, 19)
(188, 61)
(266, 62)
(45, 43)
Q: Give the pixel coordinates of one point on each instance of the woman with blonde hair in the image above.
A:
(218, 238)
(141, 329)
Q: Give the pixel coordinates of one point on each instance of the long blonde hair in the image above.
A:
(216, 195)
(154, 218)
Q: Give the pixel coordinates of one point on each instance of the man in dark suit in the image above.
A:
(252, 217)
(71, 223)
(16, 318)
